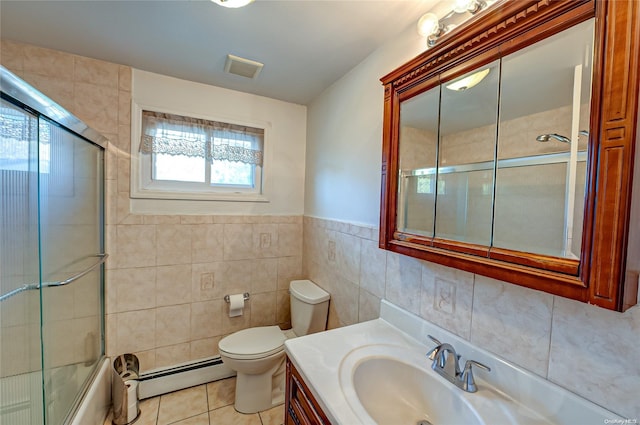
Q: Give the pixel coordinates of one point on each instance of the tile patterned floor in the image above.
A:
(210, 404)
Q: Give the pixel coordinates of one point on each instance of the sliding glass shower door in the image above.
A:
(20, 349)
(51, 258)
(70, 245)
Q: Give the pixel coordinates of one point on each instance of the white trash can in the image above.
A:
(124, 389)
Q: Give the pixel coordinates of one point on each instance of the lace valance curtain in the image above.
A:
(178, 135)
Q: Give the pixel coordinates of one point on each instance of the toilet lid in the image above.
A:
(253, 343)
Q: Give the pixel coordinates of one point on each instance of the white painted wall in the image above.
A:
(344, 137)
(284, 123)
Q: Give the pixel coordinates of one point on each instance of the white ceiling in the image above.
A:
(305, 45)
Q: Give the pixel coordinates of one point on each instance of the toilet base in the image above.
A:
(255, 393)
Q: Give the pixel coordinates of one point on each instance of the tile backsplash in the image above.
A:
(166, 282)
(588, 350)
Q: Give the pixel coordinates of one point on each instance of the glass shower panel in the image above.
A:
(536, 194)
(71, 192)
(464, 205)
(20, 353)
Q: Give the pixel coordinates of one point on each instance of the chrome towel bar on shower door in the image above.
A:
(101, 259)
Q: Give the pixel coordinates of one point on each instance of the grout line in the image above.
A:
(553, 308)
(158, 410)
(206, 394)
(473, 298)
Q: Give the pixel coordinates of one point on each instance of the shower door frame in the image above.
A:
(21, 95)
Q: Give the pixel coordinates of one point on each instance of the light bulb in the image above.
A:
(428, 24)
(462, 6)
(232, 3)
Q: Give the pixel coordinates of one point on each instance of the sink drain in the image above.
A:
(424, 422)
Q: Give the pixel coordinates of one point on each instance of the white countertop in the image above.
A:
(318, 358)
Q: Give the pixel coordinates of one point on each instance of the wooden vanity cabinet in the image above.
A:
(301, 408)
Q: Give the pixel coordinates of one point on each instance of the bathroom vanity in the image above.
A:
(301, 405)
(377, 372)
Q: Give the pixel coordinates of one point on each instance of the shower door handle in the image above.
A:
(102, 259)
(27, 287)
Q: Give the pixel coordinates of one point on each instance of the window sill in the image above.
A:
(200, 196)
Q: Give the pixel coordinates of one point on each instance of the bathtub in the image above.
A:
(94, 406)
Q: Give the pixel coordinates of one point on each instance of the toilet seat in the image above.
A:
(253, 343)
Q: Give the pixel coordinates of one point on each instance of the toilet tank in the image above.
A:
(309, 307)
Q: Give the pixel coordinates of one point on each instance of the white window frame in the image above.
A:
(144, 187)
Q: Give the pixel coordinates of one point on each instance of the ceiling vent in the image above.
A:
(243, 67)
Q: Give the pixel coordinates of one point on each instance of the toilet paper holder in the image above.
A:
(245, 295)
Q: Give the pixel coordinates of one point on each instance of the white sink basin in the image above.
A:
(377, 372)
(393, 392)
(393, 385)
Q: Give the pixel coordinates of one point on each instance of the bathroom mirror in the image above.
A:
(495, 170)
(493, 144)
(418, 145)
(542, 144)
(468, 120)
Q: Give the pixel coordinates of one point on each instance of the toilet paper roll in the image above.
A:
(132, 400)
(236, 304)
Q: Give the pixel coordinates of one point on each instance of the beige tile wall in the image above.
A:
(588, 350)
(166, 282)
(167, 274)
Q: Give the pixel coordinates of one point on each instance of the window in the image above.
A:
(19, 133)
(190, 158)
(426, 184)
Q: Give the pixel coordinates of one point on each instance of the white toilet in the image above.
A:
(257, 354)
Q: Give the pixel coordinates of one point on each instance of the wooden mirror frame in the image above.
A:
(598, 277)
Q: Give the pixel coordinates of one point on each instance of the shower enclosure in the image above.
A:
(51, 257)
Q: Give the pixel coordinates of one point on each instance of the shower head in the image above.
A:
(547, 137)
(558, 137)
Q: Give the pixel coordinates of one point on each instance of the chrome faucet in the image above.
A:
(446, 364)
(445, 359)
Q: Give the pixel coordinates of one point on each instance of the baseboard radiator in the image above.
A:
(162, 381)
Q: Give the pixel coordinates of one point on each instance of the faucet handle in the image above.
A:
(434, 339)
(470, 363)
(434, 351)
(466, 377)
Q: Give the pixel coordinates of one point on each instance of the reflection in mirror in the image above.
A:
(543, 133)
(417, 164)
(468, 120)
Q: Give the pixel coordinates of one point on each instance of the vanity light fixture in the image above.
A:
(432, 27)
(471, 6)
(469, 81)
(429, 25)
(232, 3)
